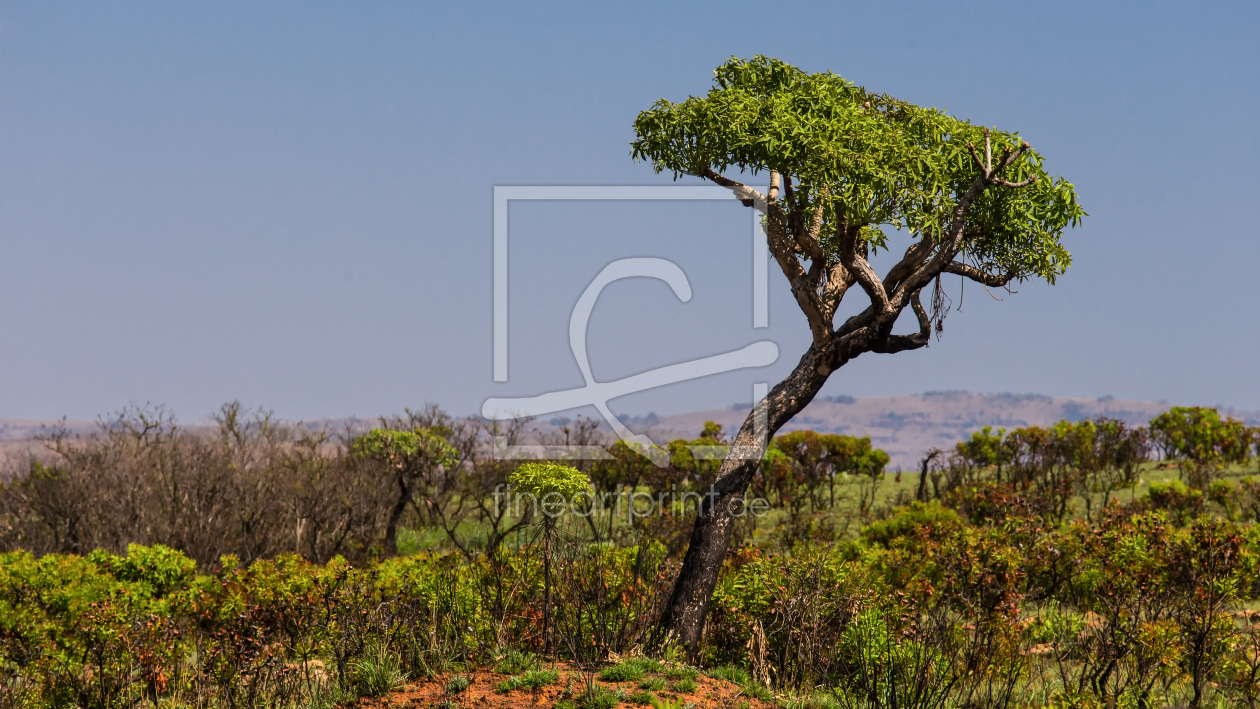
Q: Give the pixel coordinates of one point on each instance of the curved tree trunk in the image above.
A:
(683, 619)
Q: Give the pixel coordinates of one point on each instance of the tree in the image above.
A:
(552, 489)
(1201, 441)
(844, 165)
(412, 457)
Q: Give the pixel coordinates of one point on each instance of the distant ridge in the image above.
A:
(904, 426)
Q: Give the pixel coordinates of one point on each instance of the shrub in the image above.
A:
(515, 662)
(379, 672)
(681, 672)
(685, 686)
(730, 673)
(537, 679)
(457, 684)
(654, 684)
(624, 671)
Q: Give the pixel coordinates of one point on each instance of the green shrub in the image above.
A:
(757, 691)
(648, 664)
(654, 684)
(681, 672)
(640, 698)
(511, 684)
(685, 686)
(624, 671)
(537, 679)
(730, 673)
(457, 684)
(599, 699)
(514, 662)
(379, 672)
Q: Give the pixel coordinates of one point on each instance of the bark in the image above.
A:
(395, 514)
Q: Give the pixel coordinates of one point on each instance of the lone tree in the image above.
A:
(844, 164)
(414, 458)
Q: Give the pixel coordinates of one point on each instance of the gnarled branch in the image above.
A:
(959, 268)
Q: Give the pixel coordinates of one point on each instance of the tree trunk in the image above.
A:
(683, 618)
(395, 514)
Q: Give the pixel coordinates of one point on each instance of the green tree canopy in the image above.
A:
(866, 161)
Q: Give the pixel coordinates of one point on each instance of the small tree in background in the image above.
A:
(412, 457)
(1200, 441)
(552, 487)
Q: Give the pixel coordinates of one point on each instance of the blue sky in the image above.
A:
(290, 203)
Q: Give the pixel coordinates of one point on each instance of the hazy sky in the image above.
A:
(290, 204)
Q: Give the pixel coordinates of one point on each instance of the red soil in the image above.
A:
(482, 693)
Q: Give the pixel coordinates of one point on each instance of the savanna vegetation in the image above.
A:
(1090, 563)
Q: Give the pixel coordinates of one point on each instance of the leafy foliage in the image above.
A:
(864, 158)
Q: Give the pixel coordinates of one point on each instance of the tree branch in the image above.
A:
(861, 269)
(749, 196)
(925, 324)
(959, 268)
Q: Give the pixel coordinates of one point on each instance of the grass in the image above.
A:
(685, 686)
(514, 662)
(681, 672)
(640, 698)
(537, 679)
(457, 684)
(599, 699)
(624, 671)
(757, 691)
(730, 673)
(379, 672)
(654, 684)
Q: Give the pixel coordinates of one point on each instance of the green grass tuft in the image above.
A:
(624, 671)
(681, 672)
(379, 672)
(685, 686)
(600, 699)
(537, 679)
(457, 684)
(655, 684)
(730, 673)
(514, 662)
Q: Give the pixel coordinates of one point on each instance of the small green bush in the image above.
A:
(457, 684)
(514, 662)
(624, 671)
(730, 673)
(510, 684)
(685, 686)
(680, 672)
(640, 698)
(654, 684)
(379, 672)
(757, 691)
(599, 699)
(537, 679)
(648, 664)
